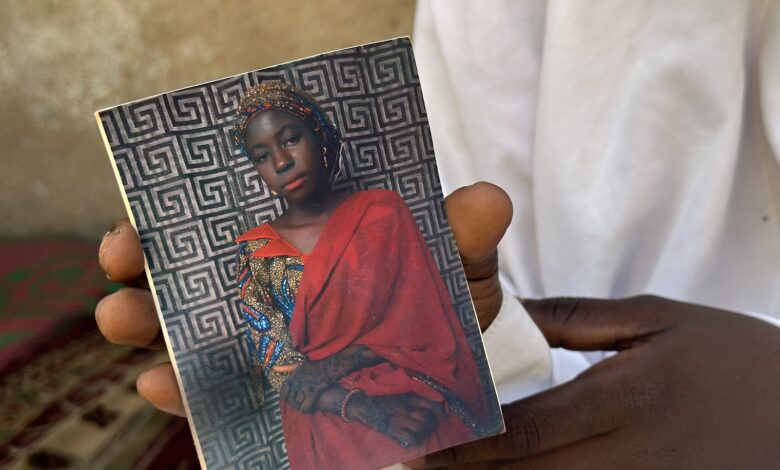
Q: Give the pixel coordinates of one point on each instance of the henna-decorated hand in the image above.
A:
(302, 388)
(408, 418)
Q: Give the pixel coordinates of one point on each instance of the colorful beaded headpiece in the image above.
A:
(274, 95)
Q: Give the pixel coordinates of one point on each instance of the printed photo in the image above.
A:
(312, 296)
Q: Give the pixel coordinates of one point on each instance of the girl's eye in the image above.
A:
(293, 140)
(261, 158)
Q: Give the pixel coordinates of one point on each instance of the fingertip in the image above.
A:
(128, 317)
(120, 254)
(479, 215)
(482, 194)
(158, 386)
(494, 196)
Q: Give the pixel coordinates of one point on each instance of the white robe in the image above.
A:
(639, 142)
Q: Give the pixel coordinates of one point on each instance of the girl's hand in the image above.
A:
(408, 418)
(479, 215)
(303, 387)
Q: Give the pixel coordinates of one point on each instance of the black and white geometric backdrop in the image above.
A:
(192, 193)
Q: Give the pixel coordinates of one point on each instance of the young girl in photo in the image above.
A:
(347, 315)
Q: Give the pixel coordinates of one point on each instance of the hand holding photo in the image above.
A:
(349, 339)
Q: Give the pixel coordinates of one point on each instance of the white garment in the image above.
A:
(639, 142)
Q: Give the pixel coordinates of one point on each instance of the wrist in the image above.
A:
(355, 411)
(348, 405)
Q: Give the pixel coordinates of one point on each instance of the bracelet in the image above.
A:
(344, 403)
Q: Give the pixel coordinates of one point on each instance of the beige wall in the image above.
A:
(62, 60)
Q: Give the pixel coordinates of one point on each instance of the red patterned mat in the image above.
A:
(67, 397)
(43, 284)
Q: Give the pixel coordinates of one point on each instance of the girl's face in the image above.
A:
(286, 154)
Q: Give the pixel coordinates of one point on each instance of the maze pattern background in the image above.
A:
(191, 193)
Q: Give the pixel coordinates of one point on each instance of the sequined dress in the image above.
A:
(268, 284)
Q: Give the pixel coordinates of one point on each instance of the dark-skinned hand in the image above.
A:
(303, 388)
(408, 418)
(479, 215)
(690, 387)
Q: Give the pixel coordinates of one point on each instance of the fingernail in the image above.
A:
(115, 228)
(110, 231)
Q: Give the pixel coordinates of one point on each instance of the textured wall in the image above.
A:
(63, 60)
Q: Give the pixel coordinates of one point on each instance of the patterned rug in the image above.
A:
(67, 397)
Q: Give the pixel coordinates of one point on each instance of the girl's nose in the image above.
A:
(283, 161)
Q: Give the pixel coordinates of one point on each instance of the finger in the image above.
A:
(423, 416)
(402, 436)
(423, 428)
(433, 406)
(159, 387)
(308, 403)
(411, 424)
(557, 417)
(295, 398)
(488, 465)
(128, 317)
(598, 324)
(121, 255)
(492, 465)
(284, 392)
(479, 215)
(599, 452)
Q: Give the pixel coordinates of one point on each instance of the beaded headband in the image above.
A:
(288, 98)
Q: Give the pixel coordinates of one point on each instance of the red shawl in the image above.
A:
(371, 280)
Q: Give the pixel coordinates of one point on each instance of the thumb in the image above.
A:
(599, 324)
(479, 215)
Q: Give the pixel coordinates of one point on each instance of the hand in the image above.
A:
(128, 316)
(303, 387)
(308, 382)
(690, 387)
(479, 215)
(408, 418)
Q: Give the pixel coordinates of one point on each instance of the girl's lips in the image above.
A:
(294, 184)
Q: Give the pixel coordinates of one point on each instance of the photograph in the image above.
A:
(298, 250)
(396, 234)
